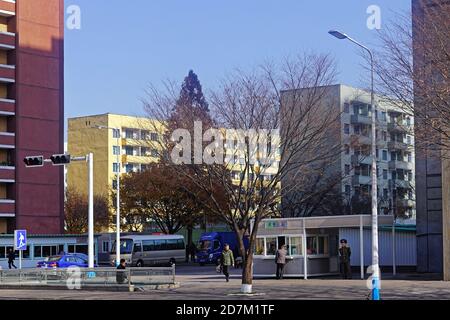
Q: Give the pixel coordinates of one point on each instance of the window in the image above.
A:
(105, 246)
(116, 133)
(323, 244)
(115, 167)
(385, 193)
(154, 153)
(356, 129)
(129, 151)
(295, 247)
(385, 174)
(346, 128)
(347, 169)
(259, 247)
(148, 245)
(116, 150)
(78, 248)
(144, 135)
(385, 155)
(129, 168)
(129, 134)
(145, 151)
(311, 245)
(346, 107)
(154, 136)
(348, 190)
(47, 250)
(347, 149)
(271, 246)
(409, 157)
(160, 245)
(384, 136)
(383, 116)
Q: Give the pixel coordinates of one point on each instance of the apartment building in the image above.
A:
(120, 144)
(395, 151)
(31, 114)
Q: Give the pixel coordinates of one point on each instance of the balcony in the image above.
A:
(358, 180)
(357, 139)
(397, 183)
(357, 159)
(7, 73)
(138, 159)
(396, 145)
(7, 40)
(7, 8)
(399, 127)
(7, 107)
(7, 140)
(360, 119)
(396, 164)
(7, 206)
(7, 173)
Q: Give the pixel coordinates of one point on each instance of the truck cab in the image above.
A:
(211, 245)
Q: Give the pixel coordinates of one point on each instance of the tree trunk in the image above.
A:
(189, 241)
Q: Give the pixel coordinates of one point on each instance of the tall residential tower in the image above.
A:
(31, 114)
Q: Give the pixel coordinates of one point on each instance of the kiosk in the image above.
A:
(312, 243)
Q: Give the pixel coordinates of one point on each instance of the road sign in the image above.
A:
(20, 240)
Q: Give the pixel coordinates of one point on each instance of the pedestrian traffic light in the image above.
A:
(35, 161)
(60, 159)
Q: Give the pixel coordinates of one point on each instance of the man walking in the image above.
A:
(344, 256)
(11, 258)
(280, 260)
(226, 261)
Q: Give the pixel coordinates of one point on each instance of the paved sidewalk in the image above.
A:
(199, 287)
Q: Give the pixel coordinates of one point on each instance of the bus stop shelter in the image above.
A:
(312, 243)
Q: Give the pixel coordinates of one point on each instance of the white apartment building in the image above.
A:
(395, 151)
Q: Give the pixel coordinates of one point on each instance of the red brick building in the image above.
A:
(31, 114)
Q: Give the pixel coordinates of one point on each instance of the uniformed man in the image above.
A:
(344, 257)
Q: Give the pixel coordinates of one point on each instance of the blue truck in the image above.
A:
(211, 245)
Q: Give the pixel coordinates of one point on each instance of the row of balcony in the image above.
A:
(391, 126)
(393, 184)
(7, 106)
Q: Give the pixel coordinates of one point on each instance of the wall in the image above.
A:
(39, 113)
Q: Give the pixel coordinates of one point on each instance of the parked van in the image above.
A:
(211, 245)
(144, 250)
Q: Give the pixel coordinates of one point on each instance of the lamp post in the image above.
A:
(117, 131)
(375, 262)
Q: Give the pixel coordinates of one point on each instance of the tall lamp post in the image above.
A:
(117, 132)
(375, 262)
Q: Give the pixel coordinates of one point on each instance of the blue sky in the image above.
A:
(125, 45)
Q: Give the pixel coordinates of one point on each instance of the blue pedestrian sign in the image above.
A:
(20, 240)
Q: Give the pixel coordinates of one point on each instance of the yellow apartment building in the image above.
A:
(116, 141)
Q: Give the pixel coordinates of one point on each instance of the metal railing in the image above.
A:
(84, 277)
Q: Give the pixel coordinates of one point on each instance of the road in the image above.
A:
(198, 283)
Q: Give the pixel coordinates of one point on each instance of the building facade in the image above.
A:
(31, 114)
(395, 152)
(119, 143)
(433, 169)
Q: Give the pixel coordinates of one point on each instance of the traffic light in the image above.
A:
(60, 159)
(36, 161)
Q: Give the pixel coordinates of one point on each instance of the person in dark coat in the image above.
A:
(344, 258)
(280, 260)
(121, 276)
(11, 258)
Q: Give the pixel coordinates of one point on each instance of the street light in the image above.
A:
(375, 263)
(117, 130)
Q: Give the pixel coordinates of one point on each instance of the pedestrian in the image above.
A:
(344, 257)
(121, 276)
(193, 251)
(226, 261)
(11, 258)
(280, 260)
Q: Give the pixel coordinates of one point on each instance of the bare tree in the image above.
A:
(269, 135)
(413, 69)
